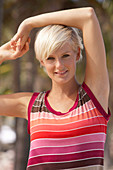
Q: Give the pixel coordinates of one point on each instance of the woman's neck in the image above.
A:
(63, 96)
(67, 89)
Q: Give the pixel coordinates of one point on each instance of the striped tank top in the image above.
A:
(72, 140)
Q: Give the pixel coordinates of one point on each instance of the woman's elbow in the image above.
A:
(91, 12)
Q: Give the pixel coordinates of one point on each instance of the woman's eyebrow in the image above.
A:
(65, 52)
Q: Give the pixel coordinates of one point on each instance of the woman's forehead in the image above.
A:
(65, 48)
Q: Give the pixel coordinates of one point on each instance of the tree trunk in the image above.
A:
(22, 142)
(1, 19)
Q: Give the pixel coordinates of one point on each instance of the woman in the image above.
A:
(68, 123)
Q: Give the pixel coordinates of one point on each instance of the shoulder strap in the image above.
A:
(95, 101)
(29, 109)
(83, 97)
(39, 104)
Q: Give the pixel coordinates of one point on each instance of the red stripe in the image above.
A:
(69, 126)
(73, 133)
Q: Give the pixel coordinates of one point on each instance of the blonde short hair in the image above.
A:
(52, 37)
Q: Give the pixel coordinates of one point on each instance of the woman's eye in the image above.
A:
(50, 58)
(66, 55)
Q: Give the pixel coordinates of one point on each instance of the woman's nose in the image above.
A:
(59, 63)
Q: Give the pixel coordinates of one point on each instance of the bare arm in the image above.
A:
(72, 17)
(96, 75)
(14, 104)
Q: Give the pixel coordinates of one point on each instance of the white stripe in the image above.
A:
(67, 123)
(66, 161)
(62, 146)
(82, 96)
(50, 115)
(67, 138)
(39, 106)
(80, 90)
(40, 100)
(67, 130)
(53, 116)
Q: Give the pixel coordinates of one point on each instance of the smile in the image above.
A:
(61, 72)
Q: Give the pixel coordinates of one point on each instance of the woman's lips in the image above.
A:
(61, 72)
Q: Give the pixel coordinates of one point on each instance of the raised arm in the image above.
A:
(73, 17)
(96, 75)
(14, 104)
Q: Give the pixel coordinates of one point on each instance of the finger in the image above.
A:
(29, 40)
(24, 39)
(19, 45)
(23, 42)
(14, 39)
(13, 47)
(19, 53)
(25, 49)
(27, 46)
(12, 42)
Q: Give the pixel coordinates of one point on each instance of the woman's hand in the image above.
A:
(8, 52)
(22, 34)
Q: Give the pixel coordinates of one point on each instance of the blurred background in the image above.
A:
(25, 74)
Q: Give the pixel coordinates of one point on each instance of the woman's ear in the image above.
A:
(42, 63)
(78, 54)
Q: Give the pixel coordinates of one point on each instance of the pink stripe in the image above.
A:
(68, 141)
(64, 158)
(96, 102)
(69, 149)
(29, 109)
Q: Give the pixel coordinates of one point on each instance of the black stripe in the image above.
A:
(68, 165)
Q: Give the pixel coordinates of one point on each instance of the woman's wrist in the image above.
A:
(32, 22)
(28, 24)
(25, 27)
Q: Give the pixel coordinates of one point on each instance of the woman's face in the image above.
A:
(61, 64)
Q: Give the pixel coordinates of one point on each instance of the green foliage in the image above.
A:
(5, 69)
(107, 41)
(5, 91)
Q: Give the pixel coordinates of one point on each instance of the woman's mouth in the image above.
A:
(61, 72)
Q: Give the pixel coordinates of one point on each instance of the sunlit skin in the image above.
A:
(61, 68)
(61, 64)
